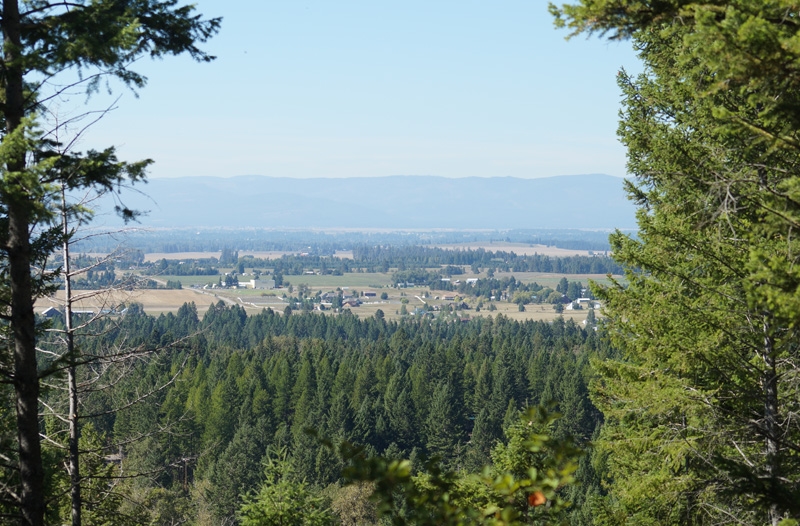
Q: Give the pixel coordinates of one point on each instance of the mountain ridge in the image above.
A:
(399, 201)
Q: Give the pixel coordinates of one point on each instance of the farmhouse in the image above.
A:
(51, 312)
(264, 283)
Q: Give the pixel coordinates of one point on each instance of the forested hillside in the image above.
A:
(235, 387)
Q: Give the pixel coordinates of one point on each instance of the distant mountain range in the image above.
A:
(398, 202)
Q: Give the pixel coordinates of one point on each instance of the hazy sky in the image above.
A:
(341, 88)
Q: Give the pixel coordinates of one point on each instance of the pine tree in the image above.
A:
(43, 39)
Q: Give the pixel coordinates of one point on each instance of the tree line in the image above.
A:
(327, 243)
(420, 258)
(414, 257)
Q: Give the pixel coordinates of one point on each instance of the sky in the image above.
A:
(351, 88)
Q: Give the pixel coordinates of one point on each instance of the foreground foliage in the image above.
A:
(282, 500)
(522, 486)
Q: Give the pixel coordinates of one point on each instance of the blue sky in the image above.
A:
(360, 89)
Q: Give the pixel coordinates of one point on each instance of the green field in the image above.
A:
(358, 280)
(547, 279)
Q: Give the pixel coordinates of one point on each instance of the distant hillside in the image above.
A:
(397, 202)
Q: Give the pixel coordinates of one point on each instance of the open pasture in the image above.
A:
(543, 312)
(391, 309)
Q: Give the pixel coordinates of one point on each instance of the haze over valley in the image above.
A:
(398, 202)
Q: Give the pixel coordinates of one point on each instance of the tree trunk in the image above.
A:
(23, 322)
(771, 416)
(26, 378)
(72, 383)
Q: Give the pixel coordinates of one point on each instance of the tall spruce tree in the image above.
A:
(444, 431)
(706, 393)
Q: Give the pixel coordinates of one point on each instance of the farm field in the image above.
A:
(271, 254)
(186, 281)
(327, 282)
(391, 308)
(154, 301)
(550, 279)
(312, 284)
(161, 300)
(521, 249)
(158, 256)
(355, 279)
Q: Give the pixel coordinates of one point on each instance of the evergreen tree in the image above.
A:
(591, 320)
(400, 412)
(283, 499)
(235, 471)
(705, 392)
(444, 430)
(485, 433)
